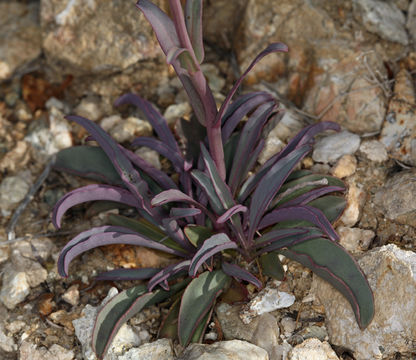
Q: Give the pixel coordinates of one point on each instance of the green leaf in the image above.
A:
(169, 327)
(331, 262)
(197, 301)
(271, 266)
(88, 161)
(197, 234)
(121, 308)
(193, 18)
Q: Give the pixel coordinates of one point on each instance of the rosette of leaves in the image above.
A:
(220, 211)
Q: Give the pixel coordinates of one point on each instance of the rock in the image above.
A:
(125, 338)
(383, 18)
(411, 22)
(330, 148)
(151, 156)
(130, 128)
(215, 81)
(355, 240)
(15, 287)
(78, 39)
(158, 350)
(281, 351)
(345, 166)
(267, 300)
(262, 331)
(38, 247)
(399, 130)
(71, 296)
(390, 271)
(13, 190)
(15, 326)
(224, 350)
(396, 199)
(314, 331)
(90, 108)
(29, 351)
(374, 150)
(7, 343)
(356, 197)
(4, 254)
(15, 159)
(312, 349)
(175, 111)
(21, 36)
(110, 122)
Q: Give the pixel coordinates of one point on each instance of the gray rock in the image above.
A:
(76, 36)
(71, 296)
(374, 150)
(15, 287)
(391, 273)
(15, 326)
(330, 148)
(355, 240)
(312, 349)
(224, 350)
(38, 247)
(411, 22)
(130, 128)
(4, 254)
(151, 156)
(158, 350)
(7, 343)
(29, 351)
(175, 111)
(396, 199)
(110, 122)
(262, 331)
(13, 190)
(215, 81)
(21, 35)
(90, 108)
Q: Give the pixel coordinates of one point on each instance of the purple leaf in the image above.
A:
(106, 235)
(270, 185)
(307, 213)
(178, 213)
(127, 274)
(241, 274)
(312, 195)
(204, 182)
(166, 273)
(176, 234)
(230, 212)
(240, 108)
(121, 163)
(211, 246)
(157, 121)
(277, 234)
(274, 47)
(193, 18)
(91, 193)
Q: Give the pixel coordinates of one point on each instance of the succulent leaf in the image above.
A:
(271, 266)
(128, 274)
(241, 274)
(193, 18)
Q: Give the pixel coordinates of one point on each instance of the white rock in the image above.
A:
(355, 202)
(391, 273)
(109, 122)
(345, 166)
(151, 156)
(289, 326)
(7, 343)
(175, 111)
(158, 350)
(224, 350)
(267, 300)
(374, 150)
(355, 240)
(130, 128)
(312, 349)
(13, 190)
(330, 148)
(271, 147)
(29, 351)
(89, 108)
(71, 296)
(15, 288)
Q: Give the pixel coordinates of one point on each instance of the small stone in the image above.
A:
(312, 349)
(374, 150)
(13, 190)
(224, 350)
(289, 326)
(216, 82)
(345, 166)
(30, 351)
(62, 317)
(158, 350)
(130, 128)
(355, 240)
(17, 158)
(281, 351)
(109, 122)
(355, 202)
(267, 300)
(38, 247)
(150, 155)
(15, 288)
(4, 253)
(46, 304)
(314, 331)
(175, 111)
(90, 108)
(15, 326)
(330, 148)
(7, 343)
(411, 21)
(271, 147)
(71, 296)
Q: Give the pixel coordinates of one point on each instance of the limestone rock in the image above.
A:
(224, 350)
(7, 343)
(345, 166)
(130, 128)
(29, 351)
(330, 148)
(355, 240)
(15, 287)
(356, 197)
(391, 273)
(374, 150)
(21, 35)
(396, 199)
(158, 350)
(411, 22)
(312, 349)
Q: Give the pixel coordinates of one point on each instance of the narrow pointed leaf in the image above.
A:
(91, 193)
(274, 47)
(241, 274)
(128, 274)
(230, 212)
(331, 262)
(174, 231)
(169, 327)
(193, 18)
(210, 247)
(204, 182)
(87, 161)
(178, 213)
(308, 213)
(121, 308)
(166, 273)
(312, 195)
(278, 234)
(198, 300)
(270, 185)
(271, 266)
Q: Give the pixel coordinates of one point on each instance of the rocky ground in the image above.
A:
(353, 62)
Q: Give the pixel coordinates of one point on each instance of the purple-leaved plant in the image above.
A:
(221, 210)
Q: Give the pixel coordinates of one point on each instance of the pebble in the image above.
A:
(271, 147)
(150, 155)
(175, 111)
(15, 287)
(90, 108)
(4, 254)
(109, 122)
(345, 166)
(130, 128)
(38, 247)
(29, 351)
(224, 350)
(355, 240)
(411, 22)
(215, 81)
(16, 159)
(71, 296)
(15, 326)
(158, 350)
(330, 148)
(13, 190)
(289, 326)
(7, 343)
(355, 201)
(374, 150)
(312, 349)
